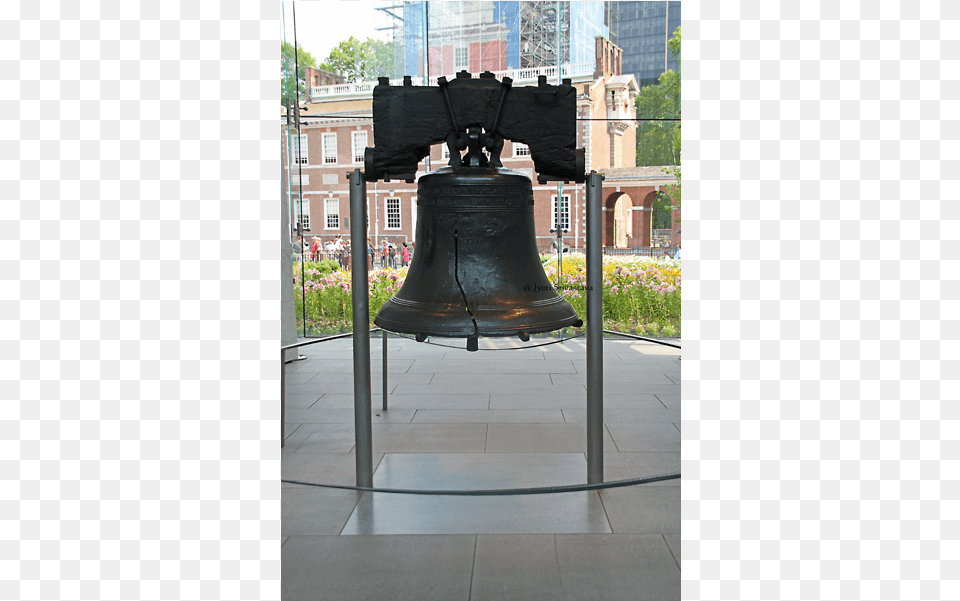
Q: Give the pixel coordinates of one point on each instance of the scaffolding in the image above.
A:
(486, 35)
(539, 33)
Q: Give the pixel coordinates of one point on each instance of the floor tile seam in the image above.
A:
(672, 554)
(473, 566)
(292, 433)
(352, 511)
(355, 505)
(605, 514)
(606, 427)
(556, 552)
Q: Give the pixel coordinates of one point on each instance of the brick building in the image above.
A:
(337, 125)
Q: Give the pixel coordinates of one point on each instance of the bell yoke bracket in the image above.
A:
(474, 115)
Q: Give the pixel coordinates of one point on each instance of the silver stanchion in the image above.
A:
(594, 329)
(361, 330)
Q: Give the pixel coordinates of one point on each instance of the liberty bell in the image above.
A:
(476, 270)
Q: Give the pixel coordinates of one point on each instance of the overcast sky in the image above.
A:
(322, 24)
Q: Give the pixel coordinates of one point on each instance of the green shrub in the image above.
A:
(639, 295)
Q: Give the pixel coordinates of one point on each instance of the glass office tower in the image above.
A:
(644, 29)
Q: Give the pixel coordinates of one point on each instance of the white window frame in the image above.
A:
(334, 214)
(413, 218)
(445, 154)
(520, 150)
(386, 212)
(564, 212)
(327, 158)
(458, 65)
(305, 205)
(362, 134)
(298, 143)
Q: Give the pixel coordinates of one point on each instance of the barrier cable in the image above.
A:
(503, 492)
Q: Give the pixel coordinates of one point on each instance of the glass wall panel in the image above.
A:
(628, 122)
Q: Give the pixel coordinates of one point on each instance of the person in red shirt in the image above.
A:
(405, 255)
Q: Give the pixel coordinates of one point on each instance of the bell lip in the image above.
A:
(511, 333)
(464, 328)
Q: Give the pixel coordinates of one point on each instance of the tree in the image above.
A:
(673, 190)
(661, 212)
(361, 60)
(288, 65)
(658, 142)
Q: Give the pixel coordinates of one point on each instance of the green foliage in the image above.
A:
(361, 60)
(674, 190)
(327, 266)
(674, 44)
(661, 212)
(639, 295)
(288, 66)
(658, 142)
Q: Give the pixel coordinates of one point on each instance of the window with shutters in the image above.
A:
(461, 58)
(393, 213)
(300, 149)
(359, 145)
(332, 210)
(301, 213)
(329, 149)
(564, 213)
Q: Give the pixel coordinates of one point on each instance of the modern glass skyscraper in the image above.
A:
(645, 28)
(496, 35)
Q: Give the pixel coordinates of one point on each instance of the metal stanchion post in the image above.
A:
(384, 370)
(594, 330)
(361, 332)
(283, 399)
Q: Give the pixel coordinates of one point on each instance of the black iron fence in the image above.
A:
(637, 251)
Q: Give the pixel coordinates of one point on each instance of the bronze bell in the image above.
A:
(476, 270)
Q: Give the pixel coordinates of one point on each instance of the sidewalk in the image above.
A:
(490, 419)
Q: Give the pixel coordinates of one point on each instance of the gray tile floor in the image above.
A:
(492, 419)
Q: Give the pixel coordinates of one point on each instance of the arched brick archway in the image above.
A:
(608, 204)
(661, 222)
(644, 218)
(619, 224)
(643, 185)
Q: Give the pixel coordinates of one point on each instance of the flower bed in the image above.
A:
(640, 295)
